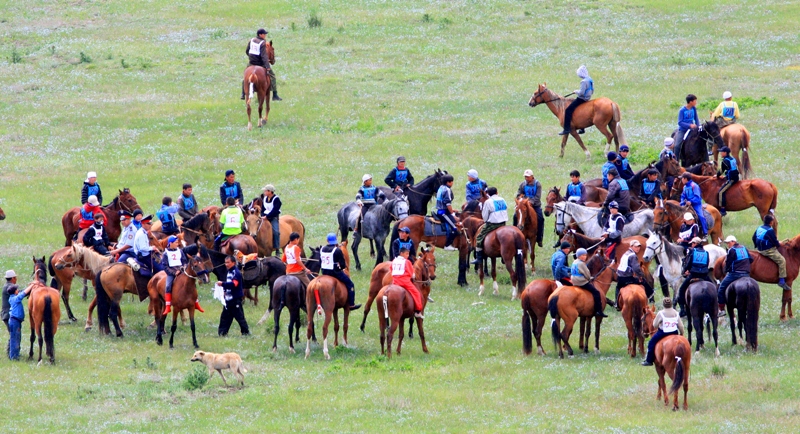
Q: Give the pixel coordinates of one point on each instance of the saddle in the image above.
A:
(434, 227)
(706, 214)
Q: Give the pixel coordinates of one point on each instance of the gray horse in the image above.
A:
(375, 225)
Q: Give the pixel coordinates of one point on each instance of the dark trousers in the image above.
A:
(127, 254)
(568, 113)
(651, 346)
(449, 223)
(595, 295)
(345, 279)
(8, 344)
(170, 279)
(233, 310)
(723, 286)
(540, 224)
(680, 297)
(15, 332)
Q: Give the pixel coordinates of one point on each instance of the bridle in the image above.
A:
(198, 274)
(539, 93)
(425, 266)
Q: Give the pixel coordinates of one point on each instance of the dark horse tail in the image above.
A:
(552, 307)
(680, 353)
(519, 263)
(395, 233)
(751, 322)
(527, 323)
(48, 326)
(636, 320)
(103, 305)
(53, 282)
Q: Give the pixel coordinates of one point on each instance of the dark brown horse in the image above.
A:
(256, 80)
(744, 296)
(109, 284)
(44, 311)
(742, 195)
(534, 312)
(528, 224)
(123, 202)
(416, 223)
(601, 112)
(668, 217)
(673, 357)
(633, 301)
(243, 243)
(199, 229)
(507, 243)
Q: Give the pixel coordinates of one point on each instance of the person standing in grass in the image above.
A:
(187, 204)
(91, 188)
(11, 282)
(257, 55)
(234, 294)
(15, 319)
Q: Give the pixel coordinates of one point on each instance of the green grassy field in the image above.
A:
(146, 94)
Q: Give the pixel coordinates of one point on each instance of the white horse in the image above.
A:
(586, 218)
(670, 256)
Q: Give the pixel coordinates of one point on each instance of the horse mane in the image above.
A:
(91, 259)
(196, 222)
(793, 243)
(674, 252)
(595, 263)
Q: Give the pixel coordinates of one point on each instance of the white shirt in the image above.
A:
(98, 233)
(127, 236)
(174, 257)
(141, 242)
(291, 257)
(399, 266)
(623, 262)
(255, 47)
(669, 324)
(495, 210)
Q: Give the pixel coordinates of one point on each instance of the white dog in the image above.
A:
(218, 362)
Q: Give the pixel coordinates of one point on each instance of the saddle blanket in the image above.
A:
(434, 228)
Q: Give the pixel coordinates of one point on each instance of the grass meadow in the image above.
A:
(147, 95)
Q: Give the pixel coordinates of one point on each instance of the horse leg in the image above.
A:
(194, 333)
(173, 327)
(732, 322)
(510, 267)
(787, 299)
(371, 248)
(41, 340)
(597, 322)
(402, 332)
(356, 243)
(563, 145)
(495, 288)
(689, 325)
(480, 276)
(249, 109)
(421, 332)
(294, 321)
(698, 325)
(85, 289)
(382, 326)
(662, 385)
(33, 339)
(325, 334)
(92, 305)
(582, 329)
(114, 315)
(580, 142)
(277, 318)
(345, 325)
(65, 288)
(309, 331)
(367, 308)
(393, 323)
(537, 333)
(609, 137)
(568, 325)
(335, 328)
(411, 328)
(716, 339)
(261, 97)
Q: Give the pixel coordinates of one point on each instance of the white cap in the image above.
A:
(269, 187)
(688, 216)
(10, 274)
(93, 200)
(668, 142)
(366, 177)
(472, 173)
(635, 243)
(529, 172)
(727, 94)
(731, 239)
(696, 240)
(91, 175)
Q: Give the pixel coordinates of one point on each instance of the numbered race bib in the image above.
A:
(291, 257)
(399, 267)
(255, 47)
(174, 258)
(268, 207)
(326, 259)
(670, 324)
(98, 234)
(233, 220)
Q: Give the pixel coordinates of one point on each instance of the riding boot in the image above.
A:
(478, 256)
(782, 284)
(242, 89)
(168, 307)
(351, 299)
(197, 306)
(721, 310)
(722, 211)
(598, 307)
(275, 96)
(616, 300)
(564, 133)
(581, 131)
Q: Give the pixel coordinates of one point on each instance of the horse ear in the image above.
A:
(34, 259)
(120, 191)
(270, 43)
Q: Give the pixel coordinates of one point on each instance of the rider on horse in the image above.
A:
(691, 195)
(531, 189)
(125, 244)
(230, 188)
(91, 188)
(766, 242)
(166, 215)
(575, 190)
(618, 191)
(271, 212)
(613, 230)
(688, 231)
(560, 265)
(668, 323)
(403, 241)
(88, 210)
(142, 248)
(399, 178)
(737, 265)
(333, 264)
(582, 95)
(257, 53)
(727, 112)
(402, 276)
(495, 215)
(368, 196)
(475, 186)
(173, 262)
(444, 209)
(611, 157)
(669, 149)
(582, 278)
(292, 257)
(630, 273)
(695, 266)
(96, 236)
(729, 170)
(651, 188)
(232, 220)
(187, 204)
(687, 120)
(622, 165)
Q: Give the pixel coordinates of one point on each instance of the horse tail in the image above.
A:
(527, 338)
(395, 233)
(519, 264)
(615, 112)
(680, 353)
(747, 168)
(552, 307)
(774, 203)
(53, 282)
(103, 304)
(251, 80)
(48, 323)
(636, 321)
(751, 322)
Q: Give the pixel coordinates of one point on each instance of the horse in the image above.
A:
(396, 305)
(507, 243)
(184, 295)
(707, 168)
(586, 219)
(473, 207)
(742, 195)
(198, 229)
(673, 357)
(263, 232)
(374, 225)
(81, 261)
(701, 300)
(325, 296)
(670, 257)
(109, 284)
(571, 303)
(62, 277)
(595, 196)
(416, 223)
(419, 194)
(256, 80)
(600, 112)
(294, 300)
(744, 296)
(2, 214)
(668, 217)
(633, 301)
(44, 311)
(697, 144)
(528, 224)
(736, 137)
(534, 312)
(260, 272)
(244, 243)
(381, 276)
(123, 202)
(593, 245)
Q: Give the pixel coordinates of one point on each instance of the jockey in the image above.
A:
(403, 241)
(691, 195)
(444, 209)
(96, 236)
(531, 189)
(729, 170)
(187, 204)
(766, 242)
(582, 278)
(272, 213)
(687, 120)
(618, 192)
(651, 188)
(475, 186)
(292, 257)
(137, 218)
(368, 196)
(727, 112)
(630, 273)
(695, 266)
(399, 178)
(125, 244)
(582, 95)
(737, 265)
(560, 265)
(333, 264)
(166, 215)
(232, 220)
(669, 149)
(668, 323)
(613, 230)
(495, 215)
(256, 51)
(88, 210)
(608, 165)
(142, 248)
(172, 262)
(92, 188)
(402, 276)
(621, 163)
(575, 190)
(688, 231)
(230, 188)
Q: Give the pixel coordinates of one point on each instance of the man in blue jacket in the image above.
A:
(233, 299)
(691, 196)
(560, 265)
(16, 317)
(687, 120)
(231, 188)
(767, 244)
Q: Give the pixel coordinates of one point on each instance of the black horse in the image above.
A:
(744, 296)
(421, 193)
(262, 271)
(197, 228)
(698, 143)
(701, 297)
(294, 299)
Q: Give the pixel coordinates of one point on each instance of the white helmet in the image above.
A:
(688, 216)
(730, 239)
(727, 94)
(366, 177)
(92, 200)
(472, 173)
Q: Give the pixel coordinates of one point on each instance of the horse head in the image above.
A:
(198, 268)
(253, 222)
(654, 244)
(539, 95)
(126, 200)
(427, 261)
(270, 52)
(708, 168)
(660, 215)
(648, 316)
(553, 196)
(68, 259)
(312, 263)
(40, 269)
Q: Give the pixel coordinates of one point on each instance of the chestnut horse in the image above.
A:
(673, 357)
(534, 311)
(109, 285)
(257, 80)
(744, 296)
(261, 231)
(123, 202)
(416, 223)
(199, 229)
(44, 311)
(528, 224)
(737, 138)
(325, 296)
(668, 217)
(242, 242)
(595, 196)
(742, 195)
(508, 244)
(633, 301)
(601, 112)
(76, 260)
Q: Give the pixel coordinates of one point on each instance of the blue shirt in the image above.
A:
(764, 238)
(687, 117)
(606, 167)
(17, 310)
(166, 215)
(691, 194)
(475, 188)
(575, 190)
(558, 263)
(444, 197)
(141, 243)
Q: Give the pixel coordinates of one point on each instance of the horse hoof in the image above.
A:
(87, 328)
(249, 126)
(274, 349)
(716, 353)
(480, 291)
(73, 319)
(291, 350)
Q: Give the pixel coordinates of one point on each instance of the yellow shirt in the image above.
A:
(728, 110)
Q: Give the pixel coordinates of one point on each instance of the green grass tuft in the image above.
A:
(196, 378)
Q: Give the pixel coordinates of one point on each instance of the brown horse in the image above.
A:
(244, 243)
(184, 295)
(633, 301)
(737, 138)
(381, 276)
(123, 202)
(199, 229)
(507, 243)
(395, 305)
(80, 261)
(742, 195)
(534, 312)
(257, 80)
(528, 224)
(109, 284)
(325, 296)
(668, 217)
(2, 214)
(601, 112)
(44, 311)
(595, 196)
(673, 357)
(416, 223)
(261, 231)
(571, 303)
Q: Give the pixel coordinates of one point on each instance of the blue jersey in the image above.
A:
(558, 263)
(606, 167)
(167, 218)
(188, 203)
(699, 261)
(575, 190)
(691, 194)
(475, 188)
(444, 197)
(623, 184)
